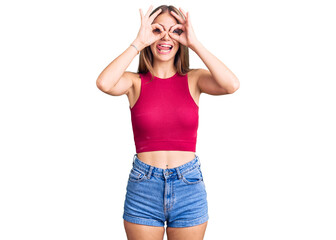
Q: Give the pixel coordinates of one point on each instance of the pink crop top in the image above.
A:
(165, 116)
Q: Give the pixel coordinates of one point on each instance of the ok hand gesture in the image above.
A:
(147, 34)
(187, 37)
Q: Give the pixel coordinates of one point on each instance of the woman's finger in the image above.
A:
(181, 20)
(141, 14)
(188, 19)
(184, 14)
(149, 11)
(154, 15)
(156, 25)
(177, 26)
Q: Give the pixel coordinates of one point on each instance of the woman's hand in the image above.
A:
(147, 34)
(187, 37)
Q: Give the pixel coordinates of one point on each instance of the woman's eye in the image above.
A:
(157, 30)
(178, 31)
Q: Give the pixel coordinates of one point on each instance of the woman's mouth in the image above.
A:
(164, 48)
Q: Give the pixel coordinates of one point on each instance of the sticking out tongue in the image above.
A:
(163, 48)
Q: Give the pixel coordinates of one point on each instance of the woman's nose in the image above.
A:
(166, 35)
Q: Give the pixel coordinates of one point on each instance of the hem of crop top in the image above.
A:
(154, 150)
(156, 145)
(176, 146)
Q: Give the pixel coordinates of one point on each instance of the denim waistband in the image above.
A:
(169, 172)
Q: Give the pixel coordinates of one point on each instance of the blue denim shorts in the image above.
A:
(175, 196)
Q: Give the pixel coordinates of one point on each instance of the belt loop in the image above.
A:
(134, 156)
(149, 174)
(199, 161)
(179, 174)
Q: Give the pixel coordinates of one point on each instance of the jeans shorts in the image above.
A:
(175, 196)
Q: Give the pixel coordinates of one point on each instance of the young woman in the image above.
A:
(165, 184)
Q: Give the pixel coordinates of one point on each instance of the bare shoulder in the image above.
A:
(206, 83)
(136, 81)
(192, 72)
(193, 76)
(197, 72)
(131, 75)
(134, 77)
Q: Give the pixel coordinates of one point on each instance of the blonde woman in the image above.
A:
(165, 184)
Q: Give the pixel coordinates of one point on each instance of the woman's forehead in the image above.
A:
(165, 19)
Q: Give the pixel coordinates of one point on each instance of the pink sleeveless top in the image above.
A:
(165, 116)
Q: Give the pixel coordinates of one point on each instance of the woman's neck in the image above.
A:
(164, 72)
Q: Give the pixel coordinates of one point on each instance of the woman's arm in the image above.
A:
(110, 76)
(113, 79)
(220, 79)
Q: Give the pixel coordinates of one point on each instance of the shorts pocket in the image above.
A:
(194, 176)
(137, 175)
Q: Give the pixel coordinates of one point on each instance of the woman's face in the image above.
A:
(163, 52)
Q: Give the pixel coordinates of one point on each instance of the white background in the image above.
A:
(267, 151)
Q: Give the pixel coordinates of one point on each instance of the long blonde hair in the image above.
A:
(181, 60)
